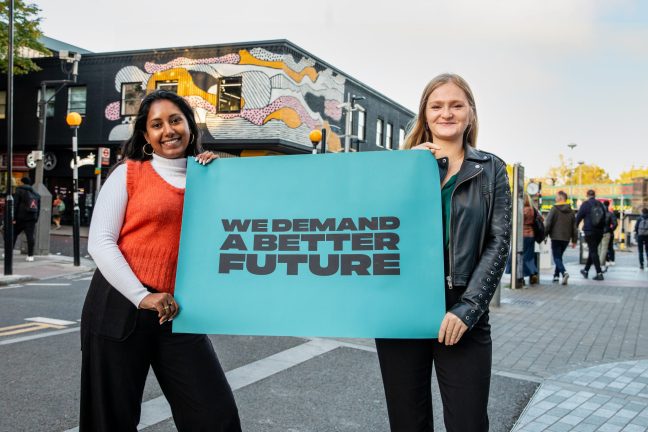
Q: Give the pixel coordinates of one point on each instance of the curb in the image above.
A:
(10, 280)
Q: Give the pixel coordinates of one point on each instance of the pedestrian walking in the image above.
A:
(27, 209)
(560, 226)
(530, 267)
(58, 207)
(126, 320)
(476, 210)
(641, 232)
(593, 214)
(608, 236)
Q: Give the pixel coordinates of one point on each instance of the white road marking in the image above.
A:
(51, 321)
(47, 284)
(38, 336)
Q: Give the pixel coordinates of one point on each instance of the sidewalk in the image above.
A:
(587, 343)
(43, 267)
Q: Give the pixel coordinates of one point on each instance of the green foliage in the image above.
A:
(26, 35)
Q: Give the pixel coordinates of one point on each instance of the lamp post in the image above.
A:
(9, 202)
(73, 120)
(571, 167)
(315, 137)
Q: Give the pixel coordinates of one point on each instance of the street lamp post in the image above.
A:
(9, 202)
(571, 167)
(73, 120)
(315, 137)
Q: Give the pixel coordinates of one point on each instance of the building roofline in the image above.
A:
(254, 44)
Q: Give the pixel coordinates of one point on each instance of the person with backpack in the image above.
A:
(560, 225)
(27, 205)
(641, 231)
(592, 213)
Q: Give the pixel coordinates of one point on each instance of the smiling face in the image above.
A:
(448, 113)
(167, 129)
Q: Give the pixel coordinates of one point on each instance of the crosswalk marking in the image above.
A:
(24, 328)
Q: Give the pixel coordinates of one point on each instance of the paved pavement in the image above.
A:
(585, 343)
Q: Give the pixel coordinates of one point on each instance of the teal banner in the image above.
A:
(340, 245)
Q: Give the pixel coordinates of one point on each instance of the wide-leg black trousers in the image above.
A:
(463, 373)
(114, 370)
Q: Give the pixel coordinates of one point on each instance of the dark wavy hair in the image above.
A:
(132, 148)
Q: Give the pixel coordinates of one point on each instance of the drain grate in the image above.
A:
(519, 302)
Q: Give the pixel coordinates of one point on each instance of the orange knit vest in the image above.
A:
(150, 236)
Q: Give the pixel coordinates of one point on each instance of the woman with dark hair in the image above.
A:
(476, 215)
(126, 319)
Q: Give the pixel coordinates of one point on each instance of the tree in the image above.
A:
(589, 174)
(581, 174)
(627, 176)
(561, 173)
(26, 35)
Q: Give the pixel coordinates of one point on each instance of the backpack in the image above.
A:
(30, 202)
(538, 227)
(597, 215)
(642, 230)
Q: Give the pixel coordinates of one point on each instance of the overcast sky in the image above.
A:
(544, 73)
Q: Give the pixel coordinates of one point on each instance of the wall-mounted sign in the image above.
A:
(88, 160)
(105, 156)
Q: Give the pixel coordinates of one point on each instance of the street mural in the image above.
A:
(280, 97)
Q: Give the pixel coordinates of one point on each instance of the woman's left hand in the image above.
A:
(452, 328)
(205, 157)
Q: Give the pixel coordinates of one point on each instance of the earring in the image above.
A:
(144, 149)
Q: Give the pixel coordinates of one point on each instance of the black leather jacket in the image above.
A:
(480, 232)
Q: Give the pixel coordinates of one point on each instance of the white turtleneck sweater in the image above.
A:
(107, 221)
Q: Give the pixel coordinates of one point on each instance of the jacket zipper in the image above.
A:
(450, 256)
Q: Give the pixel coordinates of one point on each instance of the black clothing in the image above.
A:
(593, 239)
(479, 236)
(584, 213)
(29, 227)
(480, 231)
(642, 243)
(463, 371)
(119, 342)
(21, 197)
(561, 223)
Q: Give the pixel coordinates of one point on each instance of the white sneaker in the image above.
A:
(612, 263)
(29, 258)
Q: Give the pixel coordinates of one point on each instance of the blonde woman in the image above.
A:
(476, 206)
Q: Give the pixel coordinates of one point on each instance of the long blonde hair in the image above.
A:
(419, 133)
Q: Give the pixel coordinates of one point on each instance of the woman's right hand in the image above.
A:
(163, 303)
(433, 148)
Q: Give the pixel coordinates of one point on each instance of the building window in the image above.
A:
(3, 104)
(388, 136)
(168, 85)
(77, 99)
(401, 138)
(49, 93)
(379, 133)
(131, 98)
(362, 117)
(229, 94)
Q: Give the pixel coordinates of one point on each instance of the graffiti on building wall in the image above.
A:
(277, 95)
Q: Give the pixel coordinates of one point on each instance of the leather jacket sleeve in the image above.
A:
(488, 272)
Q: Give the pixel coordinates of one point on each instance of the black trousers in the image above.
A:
(29, 227)
(642, 243)
(463, 373)
(593, 239)
(113, 374)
